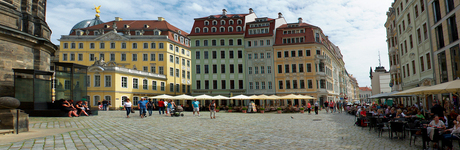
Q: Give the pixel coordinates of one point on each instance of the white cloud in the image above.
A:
(356, 26)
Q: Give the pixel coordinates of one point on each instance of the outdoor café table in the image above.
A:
(397, 126)
(426, 138)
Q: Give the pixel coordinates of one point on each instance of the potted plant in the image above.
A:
(262, 110)
(279, 110)
(302, 110)
(217, 109)
(122, 108)
(230, 109)
(244, 109)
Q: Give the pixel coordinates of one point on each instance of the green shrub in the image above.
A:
(279, 108)
(230, 108)
(244, 108)
(261, 108)
(302, 108)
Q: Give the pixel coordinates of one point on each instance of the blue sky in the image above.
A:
(356, 26)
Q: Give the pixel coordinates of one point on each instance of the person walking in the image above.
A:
(104, 105)
(212, 109)
(166, 106)
(142, 105)
(150, 106)
(339, 106)
(308, 107)
(331, 106)
(161, 107)
(316, 108)
(127, 107)
(196, 107)
(326, 106)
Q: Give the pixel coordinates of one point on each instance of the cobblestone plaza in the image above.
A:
(111, 130)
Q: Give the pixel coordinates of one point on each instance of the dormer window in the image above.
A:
(146, 26)
(106, 26)
(238, 29)
(179, 32)
(126, 26)
(79, 32)
(206, 22)
(222, 29)
(230, 29)
(239, 22)
(205, 30)
(138, 33)
(156, 32)
(197, 30)
(175, 37)
(96, 32)
(222, 22)
(213, 29)
(214, 22)
(230, 22)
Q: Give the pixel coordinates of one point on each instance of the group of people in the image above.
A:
(333, 106)
(104, 105)
(75, 109)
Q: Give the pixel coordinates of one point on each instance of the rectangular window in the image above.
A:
(171, 71)
(230, 42)
(206, 69)
(261, 55)
(80, 57)
(198, 69)
(416, 11)
(198, 84)
(64, 57)
(428, 61)
(91, 57)
(153, 46)
(255, 56)
(280, 84)
(262, 69)
(413, 67)
(249, 70)
(257, 85)
(205, 42)
(263, 85)
(152, 57)
(307, 52)
(408, 70)
(419, 36)
(240, 68)
(286, 53)
(439, 37)
(214, 68)
(436, 11)
(408, 18)
(308, 67)
(240, 84)
(214, 42)
(183, 88)
(161, 46)
(145, 57)
(292, 53)
(230, 54)
(135, 83)
(108, 81)
(256, 70)
(124, 82)
(197, 55)
(214, 84)
(206, 84)
(222, 54)
(288, 84)
(232, 84)
(422, 5)
(222, 84)
(162, 84)
(286, 68)
(206, 55)
(302, 84)
(134, 57)
(80, 45)
(97, 80)
(177, 73)
(171, 87)
(422, 64)
(214, 55)
(171, 58)
(294, 68)
(188, 74)
(280, 69)
(452, 26)
(232, 68)
(145, 84)
(269, 69)
(310, 84)
(112, 45)
(153, 69)
(240, 54)
(222, 68)
(279, 54)
(177, 88)
(300, 68)
(160, 57)
(410, 41)
(294, 84)
(154, 85)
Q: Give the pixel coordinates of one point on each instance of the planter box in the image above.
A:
(244, 111)
(229, 110)
(302, 111)
(262, 111)
(217, 110)
(279, 111)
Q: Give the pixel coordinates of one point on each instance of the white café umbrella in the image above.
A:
(182, 97)
(305, 97)
(204, 97)
(253, 97)
(164, 96)
(240, 97)
(448, 87)
(220, 97)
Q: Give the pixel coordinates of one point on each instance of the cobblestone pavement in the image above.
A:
(112, 130)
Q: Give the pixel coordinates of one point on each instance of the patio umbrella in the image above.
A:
(220, 97)
(204, 97)
(182, 97)
(305, 97)
(448, 87)
(164, 96)
(253, 97)
(240, 97)
(290, 96)
(416, 91)
(274, 96)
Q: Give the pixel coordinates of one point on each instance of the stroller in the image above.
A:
(176, 112)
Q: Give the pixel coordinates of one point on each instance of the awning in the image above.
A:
(388, 95)
(412, 91)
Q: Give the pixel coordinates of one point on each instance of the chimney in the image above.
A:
(224, 12)
(251, 10)
(300, 20)
(280, 15)
(161, 19)
(118, 19)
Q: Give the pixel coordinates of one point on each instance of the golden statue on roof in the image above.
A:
(97, 10)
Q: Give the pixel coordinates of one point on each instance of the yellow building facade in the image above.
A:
(151, 53)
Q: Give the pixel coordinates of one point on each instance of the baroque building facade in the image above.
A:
(24, 40)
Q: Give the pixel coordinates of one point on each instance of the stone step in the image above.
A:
(6, 131)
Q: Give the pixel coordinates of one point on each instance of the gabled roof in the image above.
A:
(299, 25)
(224, 16)
(365, 89)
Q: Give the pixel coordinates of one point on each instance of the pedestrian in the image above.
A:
(150, 106)
(99, 104)
(142, 105)
(331, 106)
(339, 106)
(308, 107)
(104, 105)
(316, 107)
(127, 107)
(326, 105)
(85, 104)
(196, 107)
(212, 109)
(166, 106)
(161, 107)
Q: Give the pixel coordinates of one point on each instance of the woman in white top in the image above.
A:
(167, 108)
(127, 107)
(437, 123)
(454, 133)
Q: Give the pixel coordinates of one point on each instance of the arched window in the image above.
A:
(205, 30)
(206, 22)
(222, 22)
(238, 29)
(213, 29)
(197, 30)
(214, 22)
(157, 33)
(197, 42)
(239, 22)
(230, 29)
(222, 29)
(230, 22)
(96, 99)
